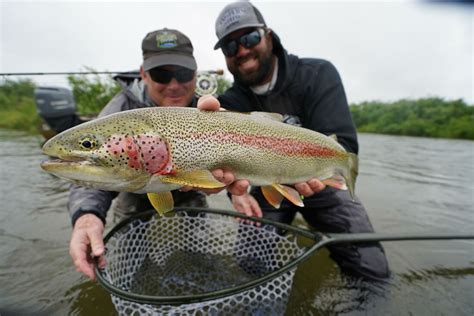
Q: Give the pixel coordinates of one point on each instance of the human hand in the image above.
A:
(86, 238)
(247, 205)
(208, 103)
(310, 187)
(236, 187)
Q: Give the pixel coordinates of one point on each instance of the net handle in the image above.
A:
(321, 240)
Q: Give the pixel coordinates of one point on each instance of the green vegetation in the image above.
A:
(17, 106)
(92, 93)
(430, 117)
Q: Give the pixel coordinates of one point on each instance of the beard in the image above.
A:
(257, 77)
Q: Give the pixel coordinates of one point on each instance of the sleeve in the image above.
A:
(234, 100)
(327, 108)
(84, 200)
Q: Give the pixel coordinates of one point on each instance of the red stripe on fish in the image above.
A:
(285, 146)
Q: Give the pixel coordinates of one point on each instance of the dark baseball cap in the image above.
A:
(236, 16)
(167, 47)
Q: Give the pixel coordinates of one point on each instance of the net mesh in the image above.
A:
(192, 255)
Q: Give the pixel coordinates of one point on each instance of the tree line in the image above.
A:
(428, 117)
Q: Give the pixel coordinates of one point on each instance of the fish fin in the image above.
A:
(353, 172)
(333, 137)
(288, 192)
(267, 115)
(162, 202)
(272, 196)
(345, 179)
(197, 178)
(336, 181)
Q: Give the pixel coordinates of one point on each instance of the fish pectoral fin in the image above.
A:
(197, 178)
(162, 202)
(288, 192)
(336, 181)
(272, 196)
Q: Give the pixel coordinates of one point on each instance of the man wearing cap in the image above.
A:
(168, 78)
(308, 92)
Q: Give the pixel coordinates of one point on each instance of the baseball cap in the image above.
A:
(236, 16)
(167, 47)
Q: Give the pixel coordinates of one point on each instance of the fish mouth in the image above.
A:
(59, 162)
(89, 174)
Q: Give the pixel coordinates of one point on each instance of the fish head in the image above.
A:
(114, 153)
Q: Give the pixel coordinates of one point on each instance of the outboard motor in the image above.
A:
(57, 107)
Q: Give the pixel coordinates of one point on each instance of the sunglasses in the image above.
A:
(164, 76)
(248, 40)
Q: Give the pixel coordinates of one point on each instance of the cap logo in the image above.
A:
(232, 17)
(166, 40)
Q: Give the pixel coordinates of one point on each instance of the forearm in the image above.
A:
(84, 200)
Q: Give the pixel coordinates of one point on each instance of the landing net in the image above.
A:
(198, 264)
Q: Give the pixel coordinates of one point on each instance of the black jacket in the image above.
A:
(307, 89)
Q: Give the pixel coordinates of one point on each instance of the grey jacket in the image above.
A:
(84, 200)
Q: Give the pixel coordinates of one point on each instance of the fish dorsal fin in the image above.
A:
(162, 202)
(333, 137)
(268, 116)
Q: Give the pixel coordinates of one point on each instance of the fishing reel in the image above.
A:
(206, 82)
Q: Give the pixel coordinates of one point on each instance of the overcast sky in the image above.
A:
(383, 50)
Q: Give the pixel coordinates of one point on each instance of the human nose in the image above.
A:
(242, 51)
(173, 83)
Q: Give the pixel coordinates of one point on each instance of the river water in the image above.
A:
(408, 185)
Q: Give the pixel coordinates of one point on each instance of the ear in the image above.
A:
(268, 33)
(142, 73)
(269, 37)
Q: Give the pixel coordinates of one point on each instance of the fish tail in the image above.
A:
(353, 171)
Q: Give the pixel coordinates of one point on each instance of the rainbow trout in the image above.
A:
(156, 150)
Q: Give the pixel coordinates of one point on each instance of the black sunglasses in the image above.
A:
(248, 40)
(164, 76)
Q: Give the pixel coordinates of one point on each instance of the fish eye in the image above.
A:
(88, 143)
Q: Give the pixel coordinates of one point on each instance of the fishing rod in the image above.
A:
(62, 73)
(211, 72)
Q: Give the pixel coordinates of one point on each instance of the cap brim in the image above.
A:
(169, 59)
(239, 27)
